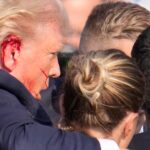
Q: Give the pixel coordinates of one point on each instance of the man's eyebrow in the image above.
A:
(52, 52)
(58, 50)
(55, 52)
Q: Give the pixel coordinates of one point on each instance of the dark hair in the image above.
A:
(141, 54)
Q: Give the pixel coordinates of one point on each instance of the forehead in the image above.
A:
(50, 37)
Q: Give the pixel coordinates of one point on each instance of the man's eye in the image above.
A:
(53, 53)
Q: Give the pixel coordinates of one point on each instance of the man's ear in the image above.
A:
(130, 124)
(10, 51)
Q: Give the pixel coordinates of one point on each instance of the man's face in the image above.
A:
(38, 60)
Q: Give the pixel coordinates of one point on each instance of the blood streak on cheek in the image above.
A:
(46, 76)
(14, 43)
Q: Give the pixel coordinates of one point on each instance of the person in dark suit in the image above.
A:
(31, 35)
(103, 94)
(141, 54)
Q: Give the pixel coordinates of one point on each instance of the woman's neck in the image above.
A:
(96, 133)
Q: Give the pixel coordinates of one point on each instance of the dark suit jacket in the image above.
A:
(24, 125)
(141, 141)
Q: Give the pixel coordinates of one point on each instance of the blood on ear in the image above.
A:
(10, 45)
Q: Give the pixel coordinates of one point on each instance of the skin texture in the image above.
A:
(124, 44)
(14, 42)
(122, 134)
(78, 11)
(36, 60)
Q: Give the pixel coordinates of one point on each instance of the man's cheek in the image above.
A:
(45, 73)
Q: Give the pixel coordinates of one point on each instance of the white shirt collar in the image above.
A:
(107, 144)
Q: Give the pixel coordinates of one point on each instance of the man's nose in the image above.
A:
(55, 70)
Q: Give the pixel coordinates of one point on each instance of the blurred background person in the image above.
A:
(78, 11)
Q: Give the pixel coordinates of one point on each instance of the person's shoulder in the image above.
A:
(81, 141)
(8, 99)
(39, 137)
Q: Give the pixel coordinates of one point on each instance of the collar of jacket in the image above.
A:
(14, 86)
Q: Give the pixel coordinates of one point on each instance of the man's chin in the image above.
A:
(37, 96)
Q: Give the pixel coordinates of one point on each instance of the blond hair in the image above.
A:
(20, 17)
(100, 88)
(119, 20)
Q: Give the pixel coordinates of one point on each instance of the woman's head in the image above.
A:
(101, 88)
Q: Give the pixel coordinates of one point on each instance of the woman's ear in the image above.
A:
(129, 128)
(10, 51)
